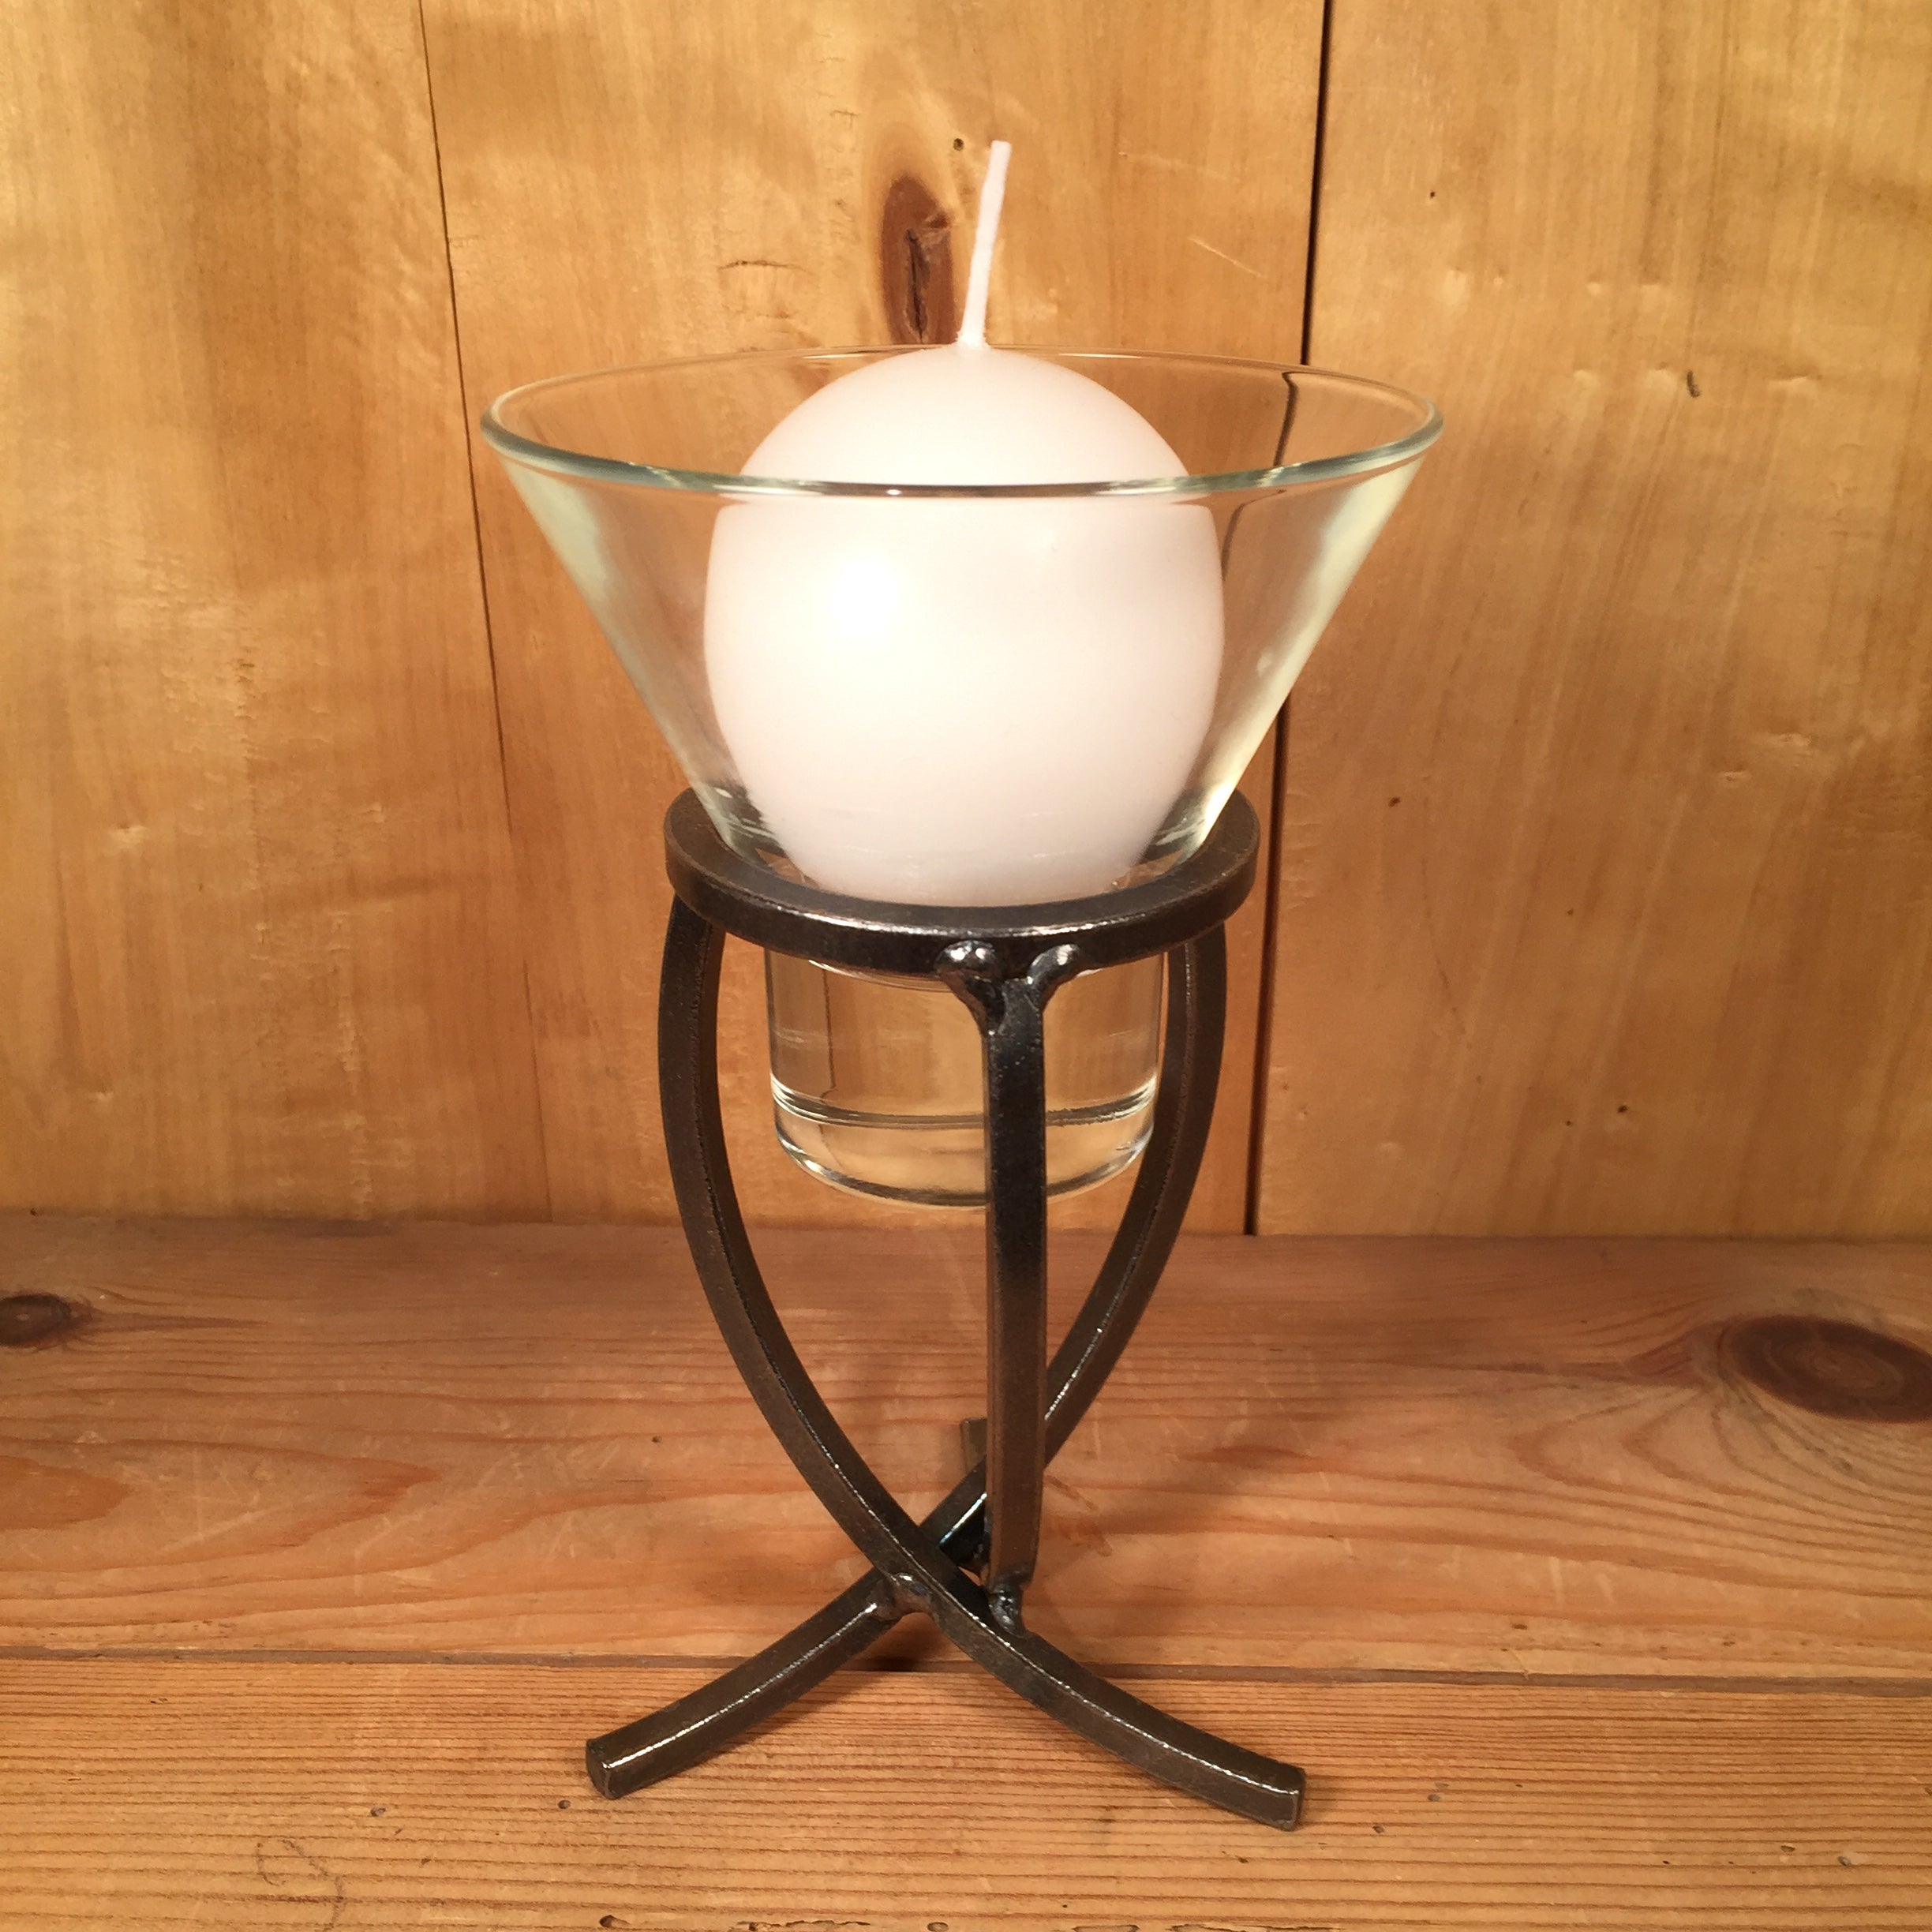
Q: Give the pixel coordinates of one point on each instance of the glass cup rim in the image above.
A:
(507, 443)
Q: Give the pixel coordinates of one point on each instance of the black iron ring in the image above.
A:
(752, 901)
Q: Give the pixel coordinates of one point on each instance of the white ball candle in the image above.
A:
(951, 701)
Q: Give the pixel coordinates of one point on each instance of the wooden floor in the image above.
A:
(1592, 1582)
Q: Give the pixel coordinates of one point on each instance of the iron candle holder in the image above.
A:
(967, 1566)
(955, 693)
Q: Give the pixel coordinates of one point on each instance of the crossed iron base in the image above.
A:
(967, 1564)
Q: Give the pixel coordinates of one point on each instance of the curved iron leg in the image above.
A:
(912, 1568)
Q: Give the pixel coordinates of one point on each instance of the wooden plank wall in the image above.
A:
(330, 847)
(1606, 905)
(259, 939)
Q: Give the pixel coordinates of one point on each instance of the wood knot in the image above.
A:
(32, 1320)
(915, 262)
(1832, 1367)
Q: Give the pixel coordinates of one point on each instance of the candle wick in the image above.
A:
(986, 232)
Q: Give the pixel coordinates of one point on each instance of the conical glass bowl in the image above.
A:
(960, 694)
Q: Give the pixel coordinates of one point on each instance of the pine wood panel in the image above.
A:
(629, 183)
(1514, 1458)
(277, 1795)
(261, 950)
(1606, 844)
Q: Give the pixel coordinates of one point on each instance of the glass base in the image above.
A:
(877, 1080)
(939, 1160)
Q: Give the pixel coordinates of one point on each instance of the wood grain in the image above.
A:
(263, 949)
(630, 183)
(306, 1797)
(1606, 886)
(1652, 1460)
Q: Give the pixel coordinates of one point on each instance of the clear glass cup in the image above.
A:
(876, 1079)
(901, 690)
